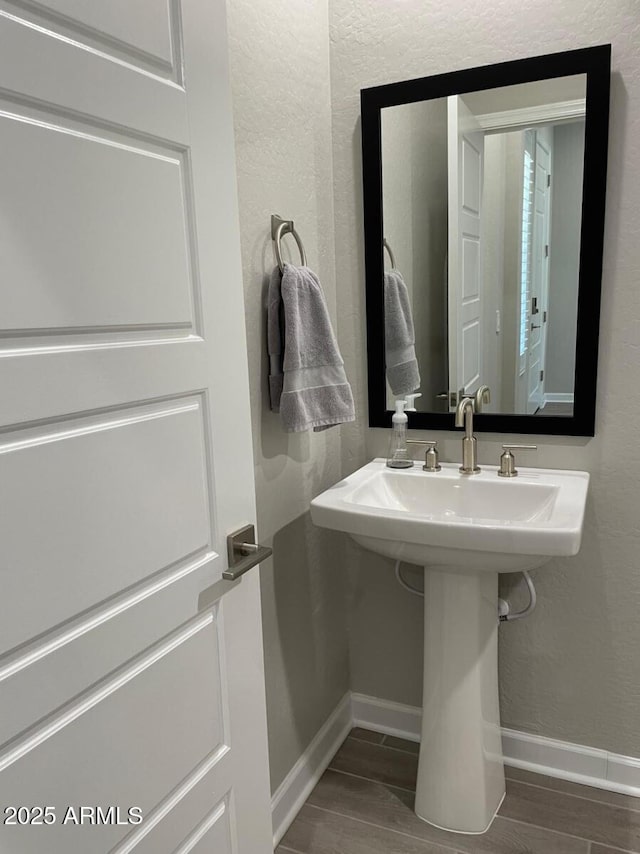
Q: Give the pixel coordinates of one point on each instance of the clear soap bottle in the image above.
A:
(398, 456)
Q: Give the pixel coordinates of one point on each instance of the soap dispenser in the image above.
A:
(410, 400)
(398, 456)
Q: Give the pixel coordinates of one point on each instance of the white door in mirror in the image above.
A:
(540, 259)
(465, 292)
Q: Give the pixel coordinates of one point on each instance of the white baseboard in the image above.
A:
(578, 763)
(299, 782)
(558, 397)
(386, 716)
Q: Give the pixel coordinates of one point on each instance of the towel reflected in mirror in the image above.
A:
(403, 375)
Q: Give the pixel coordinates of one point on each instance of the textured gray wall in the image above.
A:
(571, 671)
(280, 81)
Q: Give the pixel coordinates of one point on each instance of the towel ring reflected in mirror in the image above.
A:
(391, 257)
(280, 227)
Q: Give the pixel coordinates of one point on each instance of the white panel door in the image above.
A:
(131, 674)
(538, 304)
(466, 162)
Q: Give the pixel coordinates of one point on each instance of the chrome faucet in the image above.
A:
(464, 418)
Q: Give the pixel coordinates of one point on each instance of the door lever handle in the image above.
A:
(535, 326)
(243, 552)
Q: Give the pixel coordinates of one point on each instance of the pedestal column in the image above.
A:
(460, 774)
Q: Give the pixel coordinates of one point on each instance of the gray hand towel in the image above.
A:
(399, 337)
(275, 339)
(307, 382)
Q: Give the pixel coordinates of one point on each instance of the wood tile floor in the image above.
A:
(363, 805)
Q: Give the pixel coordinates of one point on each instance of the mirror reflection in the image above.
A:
(482, 211)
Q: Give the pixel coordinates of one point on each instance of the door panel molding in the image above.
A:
(170, 523)
(67, 661)
(117, 277)
(57, 722)
(88, 71)
(185, 805)
(158, 52)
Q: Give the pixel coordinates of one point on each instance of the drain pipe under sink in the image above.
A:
(504, 615)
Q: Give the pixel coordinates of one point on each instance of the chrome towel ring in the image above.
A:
(388, 248)
(280, 227)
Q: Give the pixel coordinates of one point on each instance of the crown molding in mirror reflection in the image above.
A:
(479, 320)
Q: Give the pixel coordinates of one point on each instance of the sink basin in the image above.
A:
(446, 518)
(463, 530)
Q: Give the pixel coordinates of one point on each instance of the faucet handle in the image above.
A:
(508, 461)
(431, 461)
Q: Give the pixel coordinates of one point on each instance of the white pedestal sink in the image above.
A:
(464, 530)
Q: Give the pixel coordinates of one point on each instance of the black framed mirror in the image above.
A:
(484, 196)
